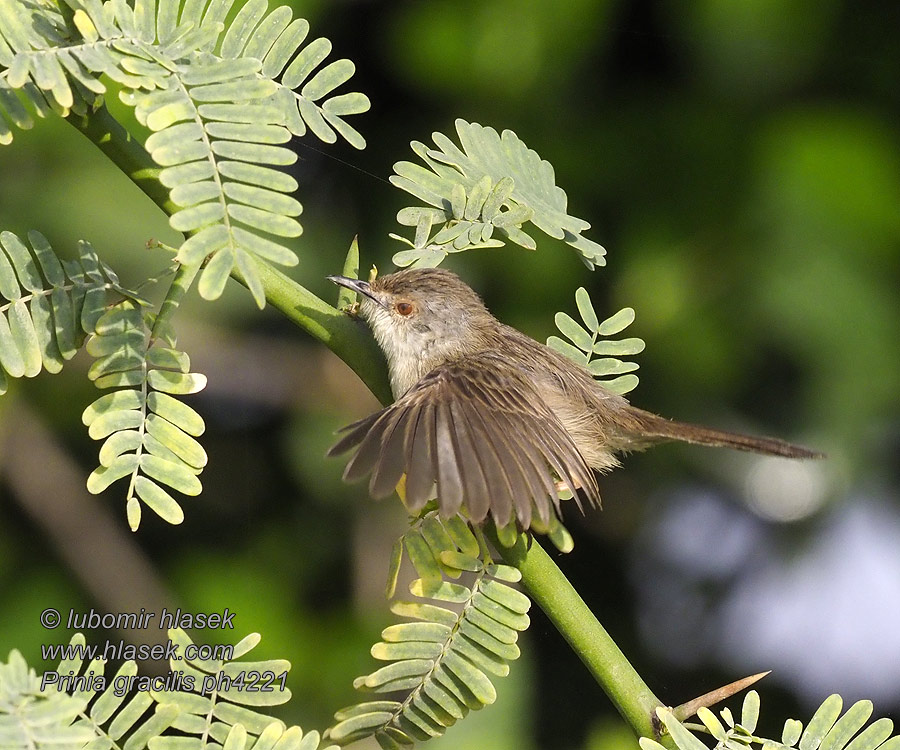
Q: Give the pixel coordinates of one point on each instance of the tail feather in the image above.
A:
(654, 426)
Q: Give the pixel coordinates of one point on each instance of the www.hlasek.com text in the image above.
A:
(121, 650)
(250, 681)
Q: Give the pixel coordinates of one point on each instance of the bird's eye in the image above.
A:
(404, 308)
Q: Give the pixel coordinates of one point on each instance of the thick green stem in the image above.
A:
(346, 337)
(107, 134)
(553, 593)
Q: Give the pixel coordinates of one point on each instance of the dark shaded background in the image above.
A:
(740, 162)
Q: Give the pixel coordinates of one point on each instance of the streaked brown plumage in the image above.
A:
(489, 417)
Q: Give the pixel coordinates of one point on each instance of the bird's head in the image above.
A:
(421, 317)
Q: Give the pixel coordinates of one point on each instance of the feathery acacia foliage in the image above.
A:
(50, 306)
(219, 102)
(227, 710)
(473, 218)
(214, 703)
(468, 186)
(149, 434)
(441, 661)
(47, 306)
(827, 729)
(590, 340)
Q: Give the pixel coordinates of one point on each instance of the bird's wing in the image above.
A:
(478, 429)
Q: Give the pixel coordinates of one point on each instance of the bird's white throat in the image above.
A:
(411, 353)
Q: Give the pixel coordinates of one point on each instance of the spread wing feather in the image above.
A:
(494, 462)
(391, 462)
(370, 445)
(449, 472)
(421, 472)
(529, 476)
(475, 478)
(477, 431)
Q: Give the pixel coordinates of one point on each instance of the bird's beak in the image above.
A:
(357, 285)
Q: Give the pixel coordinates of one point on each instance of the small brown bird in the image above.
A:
(488, 417)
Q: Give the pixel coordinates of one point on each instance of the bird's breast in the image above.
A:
(409, 361)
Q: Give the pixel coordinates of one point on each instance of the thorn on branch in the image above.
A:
(686, 710)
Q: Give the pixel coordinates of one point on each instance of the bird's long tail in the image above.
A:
(655, 427)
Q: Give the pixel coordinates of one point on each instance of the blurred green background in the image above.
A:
(739, 160)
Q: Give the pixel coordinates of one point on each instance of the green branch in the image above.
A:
(345, 336)
(107, 134)
(559, 600)
(349, 340)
